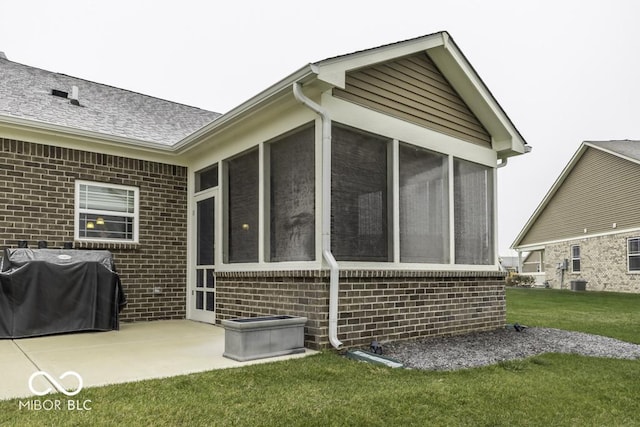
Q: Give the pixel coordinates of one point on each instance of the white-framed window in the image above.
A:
(575, 258)
(106, 212)
(633, 254)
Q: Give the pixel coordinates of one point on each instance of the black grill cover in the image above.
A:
(51, 291)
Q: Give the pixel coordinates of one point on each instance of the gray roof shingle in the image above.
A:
(626, 147)
(26, 93)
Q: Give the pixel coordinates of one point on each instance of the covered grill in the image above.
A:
(51, 291)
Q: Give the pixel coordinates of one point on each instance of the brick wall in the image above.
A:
(37, 203)
(603, 263)
(380, 305)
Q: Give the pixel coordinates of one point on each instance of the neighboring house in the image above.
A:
(509, 264)
(358, 191)
(532, 263)
(587, 227)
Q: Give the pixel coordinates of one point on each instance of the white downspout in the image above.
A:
(334, 279)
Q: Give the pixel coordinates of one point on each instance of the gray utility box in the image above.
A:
(260, 337)
(579, 285)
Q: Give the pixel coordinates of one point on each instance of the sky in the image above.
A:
(564, 71)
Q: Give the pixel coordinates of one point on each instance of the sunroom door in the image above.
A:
(202, 292)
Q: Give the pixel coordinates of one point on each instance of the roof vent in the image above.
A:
(74, 96)
(60, 93)
(2, 55)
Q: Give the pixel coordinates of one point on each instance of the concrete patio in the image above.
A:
(138, 351)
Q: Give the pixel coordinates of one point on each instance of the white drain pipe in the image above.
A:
(334, 278)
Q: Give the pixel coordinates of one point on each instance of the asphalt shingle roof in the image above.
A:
(26, 93)
(626, 147)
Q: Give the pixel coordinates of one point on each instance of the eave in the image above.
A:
(42, 132)
(552, 191)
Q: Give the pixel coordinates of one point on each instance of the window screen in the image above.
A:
(106, 211)
(424, 206)
(206, 230)
(292, 203)
(206, 178)
(575, 258)
(473, 213)
(359, 194)
(242, 232)
(633, 252)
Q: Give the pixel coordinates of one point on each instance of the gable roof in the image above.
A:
(332, 72)
(622, 150)
(139, 120)
(625, 148)
(26, 95)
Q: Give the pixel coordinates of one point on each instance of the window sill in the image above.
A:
(88, 244)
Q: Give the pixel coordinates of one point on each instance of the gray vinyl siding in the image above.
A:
(533, 263)
(600, 190)
(413, 89)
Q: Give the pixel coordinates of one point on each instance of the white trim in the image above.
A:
(78, 211)
(452, 209)
(352, 265)
(629, 271)
(191, 311)
(370, 121)
(395, 194)
(574, 258)
(333, 70)
(279, 89)
(81, 134)
(262, 179)
(613, 153)
(494, 196)
(541, 245)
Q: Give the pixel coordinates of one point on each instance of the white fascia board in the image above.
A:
(268, 95)
(613, 153)
(354, 115)
(333, 70)
(67, 137)
(578, 238)
(552, 191)
(506, 139)
(530, 248)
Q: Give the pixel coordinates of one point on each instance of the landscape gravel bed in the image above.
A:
(488, 348)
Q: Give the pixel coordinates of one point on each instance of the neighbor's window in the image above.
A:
(575, 258)
(633, 253)
(424, 206)
(359, 196)
(106, 212)
(473, 213)
(242, 205)
(292, 203)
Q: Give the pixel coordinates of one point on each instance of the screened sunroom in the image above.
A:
(392, 203)
(358, 192)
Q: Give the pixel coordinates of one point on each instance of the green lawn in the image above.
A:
(328, 390)
(604, 313)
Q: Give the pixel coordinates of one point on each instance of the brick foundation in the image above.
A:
(380, 305)
(37, 203)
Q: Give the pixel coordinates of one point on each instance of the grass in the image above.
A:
(603, 313)
(328, 390)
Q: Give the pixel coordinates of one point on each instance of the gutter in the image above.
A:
(278, 89)
(334, 279)
(80, 134)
